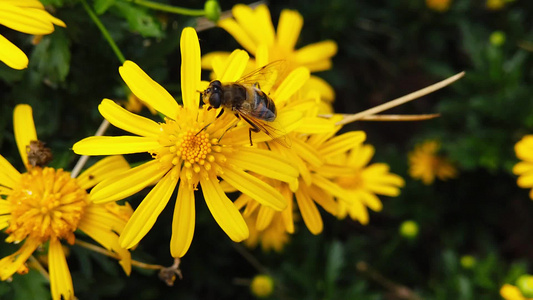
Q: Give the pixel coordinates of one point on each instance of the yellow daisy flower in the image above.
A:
(511, 292)
(273, 237)
(364, 182)
(27, 16)
(254, 30)
(193, 147)
(426, 164)
(524, 169)
(47, 205)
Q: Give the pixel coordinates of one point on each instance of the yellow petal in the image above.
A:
(525, 181)
(190, 68)
(287, 214)
(358, 211)
(319, 65)
(24, 129)
(308, 153)
(261, 161)
(309, 211)
(234, 66)
(147, 212)
(103, 169)
(127, 183)
(223, 210)
(294, 81)
(342, 143)
(27, 20)
(12, 263)
(149, 91)
(371, 200)
(25, 3)
(4, 221)
(323, 199)
(60, 279)
(325, 90)
(264, 217)
(262, 57)
(522, 168)
(330, 187)
(9, 176)
(112, 145)
(246, 18)
(255, 188)
(11, 55)
(289, 27)
(128, 121)
(264, 20)
(105, 237)
(238, 34)
(207, 59)
(183, 221)
(312, 125)
(316, 52)
(360, 156)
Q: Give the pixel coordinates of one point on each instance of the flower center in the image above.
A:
(47, 204)
(351, 182)
(189, 143)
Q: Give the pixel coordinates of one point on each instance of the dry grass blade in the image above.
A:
(401, 100)
(393, 118)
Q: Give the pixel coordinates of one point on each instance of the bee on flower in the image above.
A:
(29, 17)
(45, 206)
(253, 29)
(426, 164)
(193, 147)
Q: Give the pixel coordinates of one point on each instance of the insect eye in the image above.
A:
(214, 100)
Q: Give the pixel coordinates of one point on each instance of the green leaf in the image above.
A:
(139, 19)
(101, 6)
(334, 263)
(30, 286)
(51, 57)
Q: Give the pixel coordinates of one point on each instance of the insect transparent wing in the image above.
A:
(266, 76)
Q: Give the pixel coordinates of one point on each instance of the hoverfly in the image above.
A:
(247, 101)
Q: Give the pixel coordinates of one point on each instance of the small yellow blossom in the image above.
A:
(46, 205)
(425, 163)
(495, 4)
(273, 237)
(524, 169)
(193, 147)
(262, 286)
(27, 16)
(439, 5)
(363, 182)
(511, 292)
(254, 30)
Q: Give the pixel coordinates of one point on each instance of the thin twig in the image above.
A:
(401, 100)
(83, 159)
(400, 291)
(250, 258)
(37, 265)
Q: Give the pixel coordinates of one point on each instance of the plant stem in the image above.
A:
(104, 31)
(170, 8)
(83, 159)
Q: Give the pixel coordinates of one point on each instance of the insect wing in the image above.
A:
(272, 129)
(266, 76)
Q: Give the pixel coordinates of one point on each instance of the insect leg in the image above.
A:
(220, 113)
(253, 128)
